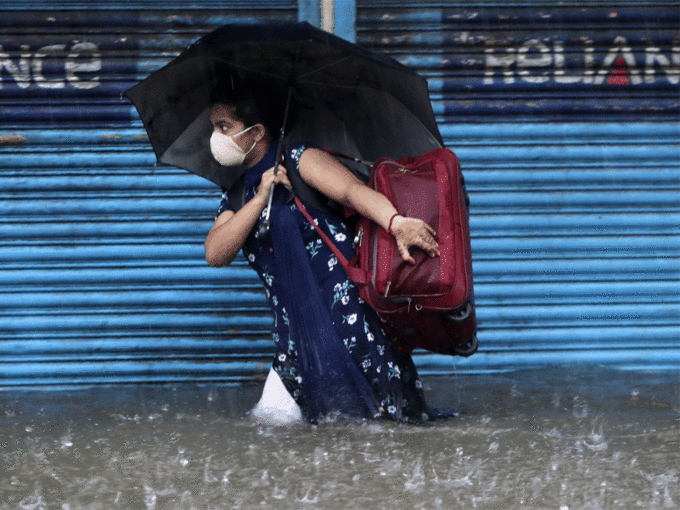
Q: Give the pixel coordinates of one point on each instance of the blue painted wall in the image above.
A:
(564, 117)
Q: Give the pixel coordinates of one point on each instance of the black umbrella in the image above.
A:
(347, 98)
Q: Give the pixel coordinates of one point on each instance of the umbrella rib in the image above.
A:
(324, 67)
(250, 69)
(278, 76)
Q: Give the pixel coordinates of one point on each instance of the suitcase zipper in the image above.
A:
(358, 238)
(375, 261)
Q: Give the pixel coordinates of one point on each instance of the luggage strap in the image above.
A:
(345, 156)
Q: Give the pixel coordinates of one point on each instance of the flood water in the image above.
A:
(578, 437)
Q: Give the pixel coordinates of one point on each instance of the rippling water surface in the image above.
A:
(565, 438)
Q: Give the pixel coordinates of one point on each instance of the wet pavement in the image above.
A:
(575, 437)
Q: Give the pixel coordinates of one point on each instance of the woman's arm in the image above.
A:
(230, 230)
(320, 170)
(229, 233)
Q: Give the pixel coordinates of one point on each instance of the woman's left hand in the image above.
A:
(410, 232)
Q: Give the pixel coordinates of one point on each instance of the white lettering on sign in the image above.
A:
(493, 61)
(79, 63)
(37, 64)
(536, 62)
(74, 65)
(526, 60)
(653, 56)
(19, 71)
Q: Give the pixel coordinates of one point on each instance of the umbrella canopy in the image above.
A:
(347, 98)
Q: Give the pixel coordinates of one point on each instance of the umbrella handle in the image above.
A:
(269, 204)
(265, 224)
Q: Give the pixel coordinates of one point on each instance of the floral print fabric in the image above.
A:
(393, 377)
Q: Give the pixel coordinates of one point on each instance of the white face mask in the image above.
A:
(225, 150)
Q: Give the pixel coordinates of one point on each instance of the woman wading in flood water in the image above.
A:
(331, 355)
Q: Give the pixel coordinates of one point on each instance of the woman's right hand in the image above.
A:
(230, 231)
(268, 180)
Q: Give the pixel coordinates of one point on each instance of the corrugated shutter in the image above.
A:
(573, 176)
(565, 118)
(102, 271)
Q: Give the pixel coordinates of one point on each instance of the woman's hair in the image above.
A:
(253, 105)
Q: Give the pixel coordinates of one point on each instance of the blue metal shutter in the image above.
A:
(574, 188)
(564, 116)
(102, 270)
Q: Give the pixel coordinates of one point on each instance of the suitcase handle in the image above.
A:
(355, 274)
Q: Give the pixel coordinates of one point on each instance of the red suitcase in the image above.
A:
(429, 305)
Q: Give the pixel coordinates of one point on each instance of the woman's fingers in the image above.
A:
(269, 178)
(403, 249)
(279, 179)
(430, 230)
(428, 234)
(284, 180)
(431, 251)
(281, 176)
(415, 232)
(280, 171)
(431, 245)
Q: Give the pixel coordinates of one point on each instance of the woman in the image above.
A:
(331, 354)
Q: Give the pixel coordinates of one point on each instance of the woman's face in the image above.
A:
(223, 121)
